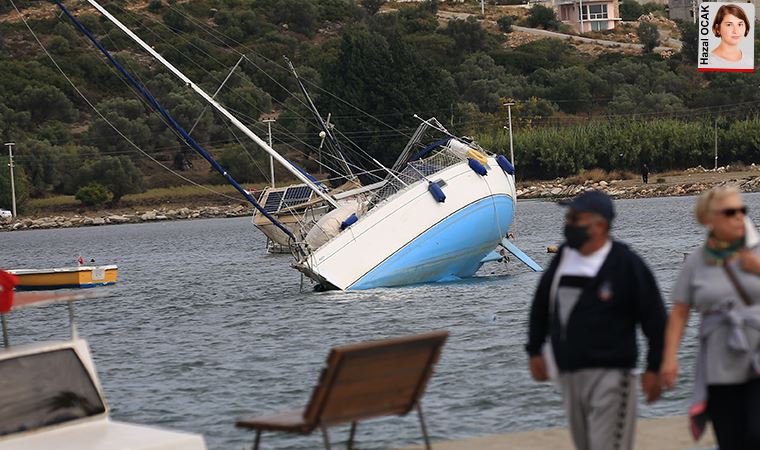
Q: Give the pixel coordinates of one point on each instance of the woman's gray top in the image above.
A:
(707, 288)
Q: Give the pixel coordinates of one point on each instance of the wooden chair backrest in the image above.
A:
(373, 379)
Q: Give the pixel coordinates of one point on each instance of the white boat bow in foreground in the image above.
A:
(51, 398)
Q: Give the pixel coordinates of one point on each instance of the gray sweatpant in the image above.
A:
(601, 408)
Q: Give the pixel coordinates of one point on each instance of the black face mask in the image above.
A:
(576, 235)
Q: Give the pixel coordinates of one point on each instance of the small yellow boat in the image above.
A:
(65, 277)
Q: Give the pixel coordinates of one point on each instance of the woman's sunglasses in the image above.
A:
(731, 212)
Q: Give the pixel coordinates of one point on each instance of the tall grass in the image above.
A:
(186, 193)
(666, 144)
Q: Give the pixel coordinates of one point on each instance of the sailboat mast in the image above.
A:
(261, 143)
(171, 122)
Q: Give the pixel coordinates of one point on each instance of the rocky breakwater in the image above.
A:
(617, 189)
(109, 218)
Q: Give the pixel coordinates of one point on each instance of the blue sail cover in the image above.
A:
(425, 151)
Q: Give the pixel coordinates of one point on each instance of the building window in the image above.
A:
(594, 12)
(599, 26)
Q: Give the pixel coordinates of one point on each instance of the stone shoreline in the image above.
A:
(615, 189)
(109, 218)
(556, 190)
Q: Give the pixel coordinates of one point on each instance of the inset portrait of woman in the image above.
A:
(732, 26)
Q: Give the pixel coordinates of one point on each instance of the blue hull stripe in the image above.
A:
(451, 249)
(61, 286)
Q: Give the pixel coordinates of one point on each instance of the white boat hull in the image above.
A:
(412, 238)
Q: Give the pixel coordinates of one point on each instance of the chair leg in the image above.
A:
(257, 440)
(325, 437)
(423, 426)
(351, 436)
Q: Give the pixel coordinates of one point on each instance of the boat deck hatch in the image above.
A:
(43, 389)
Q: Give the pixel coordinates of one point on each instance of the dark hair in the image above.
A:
(734, 11)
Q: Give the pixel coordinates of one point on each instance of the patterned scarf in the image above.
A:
(717, 251)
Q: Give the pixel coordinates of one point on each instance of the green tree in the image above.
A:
(630, 10)
(484, 83)
(109, 140)
(422, 18)
(117, 173)
(41, 163)
(372, 6)
(245, 97)
(505, 23)
(544, 53)
(382, 75)
(654, 7)
(542, 16)
(648, 35)
(299, 15)
(574, 89)
(21, 185)
(690, 41)
(46, 103)
(335, 10)
(155, 6)
(13, 123)
(93, 194)
(244, 166)
(468, 35)
(72, 158)
(176, 21)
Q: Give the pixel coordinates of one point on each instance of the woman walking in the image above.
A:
(721, 281)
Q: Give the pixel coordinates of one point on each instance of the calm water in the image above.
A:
(204, 327)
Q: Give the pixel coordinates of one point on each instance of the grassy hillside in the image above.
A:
(370, 69)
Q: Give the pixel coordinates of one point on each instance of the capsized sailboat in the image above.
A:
(436, 219)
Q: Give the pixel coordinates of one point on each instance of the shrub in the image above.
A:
(94, 194)
(653, 7)
(505, 23)
(593, 175)
(372, 6)
(648, 35)
(630, 10)
(155, 6)
(117, 173)
(541, 16)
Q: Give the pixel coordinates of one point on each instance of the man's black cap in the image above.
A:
(596, 202)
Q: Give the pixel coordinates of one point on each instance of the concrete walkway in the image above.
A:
(669, 433)
(675, 45)
(605, 43)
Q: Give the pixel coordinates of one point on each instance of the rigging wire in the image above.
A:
(210, 31)
(365, 156)
(97, 111)
(179, 137)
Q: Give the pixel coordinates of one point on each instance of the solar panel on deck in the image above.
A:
(296, 195)
(273, 201)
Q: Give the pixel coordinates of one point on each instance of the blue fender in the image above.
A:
(348, 222)
(436, 192)
(505, 164)
(479, 168)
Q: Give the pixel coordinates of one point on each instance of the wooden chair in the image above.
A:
(360, 382)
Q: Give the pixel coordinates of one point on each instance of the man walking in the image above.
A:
(645, 174)
(589, 302)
